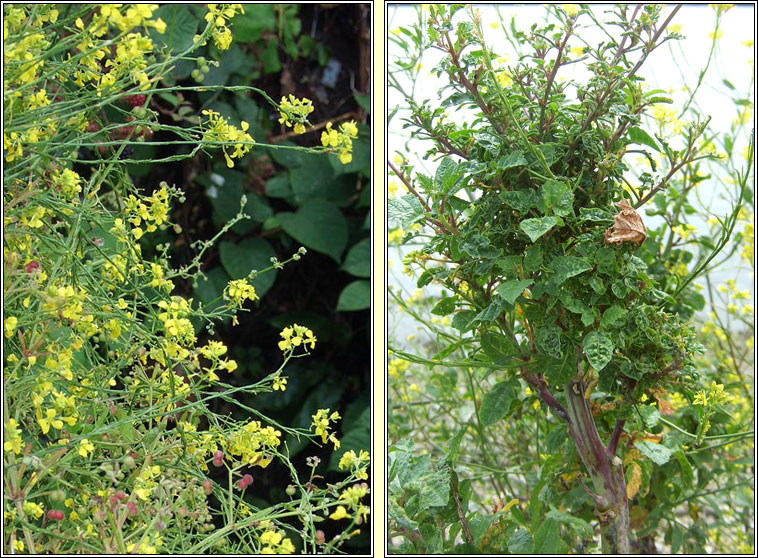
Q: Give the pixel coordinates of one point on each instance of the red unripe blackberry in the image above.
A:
(136, 100)
(248, 479)
(31, 266)
(207, 487)
(55, 515)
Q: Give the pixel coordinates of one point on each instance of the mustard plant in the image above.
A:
(108, 436)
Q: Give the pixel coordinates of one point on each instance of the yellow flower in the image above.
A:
(570, 9)
(339, 513)
(10, 326)
(85, 447)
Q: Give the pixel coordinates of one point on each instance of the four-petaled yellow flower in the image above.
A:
(296, 335)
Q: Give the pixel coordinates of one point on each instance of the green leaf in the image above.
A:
(657, 453)
(520, 200)
(595, 215)
(453, 444)
(612, 316)
(549, 341)
(181, 27)
(318, 225)
(533, 258)
(556, 198)
(356, 296)
(445, 306)
(491, 311)
(641, 137)
(520, 542)
(250, 254)
(512, 289)
(513, 159)
(449, 175)
(498, 348)
(688, 475)
(567, 266)
(547, 539)
(257, 19)
(535, 228)
(358, 259)
(464, 320)
(404, 211)
(582, 527)
(598, 348)
(497, 402)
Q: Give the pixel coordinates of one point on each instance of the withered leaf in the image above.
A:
(627, 226)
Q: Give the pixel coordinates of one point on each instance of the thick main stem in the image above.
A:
(609, 494)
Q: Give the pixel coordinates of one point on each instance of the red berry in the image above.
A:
(92, 126)
(120, 495)
(31, 266)
(56, 515)
(241, 484)
(136, 100)
(219, 455)
(248, 479)
(217, 463)
(207, 487)
(113, 499)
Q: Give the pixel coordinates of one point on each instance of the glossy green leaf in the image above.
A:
(355, 296)
(358, 259)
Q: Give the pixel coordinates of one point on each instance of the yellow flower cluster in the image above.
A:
(12, 437)
(342, 140)
(175, 321)
(351, 497)
(296, 335)
(275, 543)
(218, 16)
(293, 112)
(320, 423)
(254, 444)
(397, 367)
(358, 464)
(68, 183)
(238, 291)
(152, 210)
(220, 131)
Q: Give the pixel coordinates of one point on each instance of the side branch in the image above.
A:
(540, 386)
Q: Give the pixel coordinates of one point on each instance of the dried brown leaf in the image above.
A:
(627, 226)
